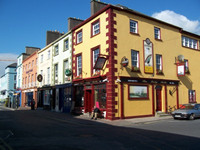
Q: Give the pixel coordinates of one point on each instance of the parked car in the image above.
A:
(187, 111)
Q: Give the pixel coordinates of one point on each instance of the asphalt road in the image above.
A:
(41, 130)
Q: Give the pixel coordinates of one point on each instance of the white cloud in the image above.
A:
(4, 63)
(178, 20)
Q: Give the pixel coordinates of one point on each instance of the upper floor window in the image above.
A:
(159, 67)
(133, 26)
(48, 54)
(36, 61)
(15, 76)
(95, 28)
(135, 60)
(29, 66)
(79, 37)
(66, 44)
(95, 54)
(56, 50)
(189, 42)
(186, 66)
(41, 58)
(32, 63)
(157, 33)
(48, 75)
(56, 70)
(79, 65)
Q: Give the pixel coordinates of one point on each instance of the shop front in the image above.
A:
(142, 97)
(63, 102)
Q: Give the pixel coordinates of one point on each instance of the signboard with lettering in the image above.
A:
(180, 69)
(148, 56)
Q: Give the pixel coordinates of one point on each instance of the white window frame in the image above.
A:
(41, 58)
(79, 37)
(56, 50)
(79, 65)
(66, 44)
(133, 26)
(95, 56)
(48, 54)
(135, 59)
(95, 28)
(189, 42)
(159, 62)
(157, 34)
(48, 75)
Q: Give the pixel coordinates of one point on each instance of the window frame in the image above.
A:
(192, 99)
(159, 33)
(189, 42)
(65, 49)
(140, 98)
(160, 69)
(93, 71)
(76, 71)
(56, 51)
(186, 65)
(41, 58)
(77, 39)
(137, 67)
(136, 28)
(93, 26)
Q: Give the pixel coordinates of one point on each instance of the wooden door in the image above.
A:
(158, 100)
(88, 101)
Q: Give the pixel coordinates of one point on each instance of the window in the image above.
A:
(95, 54)
(29, 66)
(138, 92)
(56, 70)
(36, 61)
(135, 60)
(159, 68)
(95, 28)
(15, 76)
(133, 26)
(48, 54)
(186, 66)
(32, 63)
(56, 50)
(66, 44)
(79, 37)
(66, 64)
(14, 85)
(32, 79)
(79, 65)
(157, 33)
(192, 96)
(189, 42)
(41, 58)
(48, 75)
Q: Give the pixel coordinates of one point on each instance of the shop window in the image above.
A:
(138, 92)
(135, 60)
(100, 95)
(159, 65)
(192, 96)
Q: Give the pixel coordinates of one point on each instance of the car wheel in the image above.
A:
(192, 117)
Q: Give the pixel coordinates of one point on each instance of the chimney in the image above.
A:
(31, 50)
(96, 6)
(72, 22)
(52, 36)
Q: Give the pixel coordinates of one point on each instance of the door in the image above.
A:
(158, 100)
(88, 101)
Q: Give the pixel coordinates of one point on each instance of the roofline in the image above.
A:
(30, 56)
(132, 12)
(52, 43)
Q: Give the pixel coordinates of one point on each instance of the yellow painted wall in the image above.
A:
(88, 43)
(170, 47)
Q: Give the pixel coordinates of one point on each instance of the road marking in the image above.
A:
(4, 145)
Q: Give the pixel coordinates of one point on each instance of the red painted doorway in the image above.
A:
(88, 101)
(158, 100)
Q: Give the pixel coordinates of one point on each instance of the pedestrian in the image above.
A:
(95, 113)
(32, 104)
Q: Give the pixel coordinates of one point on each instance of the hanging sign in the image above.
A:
(180, 69)
(68, 72)
(148, 56)
(39, 78)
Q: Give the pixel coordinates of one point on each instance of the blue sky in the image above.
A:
(25, 22)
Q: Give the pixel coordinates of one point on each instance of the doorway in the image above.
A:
(158, 99)
(88, 101)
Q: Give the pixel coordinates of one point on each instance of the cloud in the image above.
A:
(3, 63)
(178, 20)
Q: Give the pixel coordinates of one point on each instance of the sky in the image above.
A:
(25, 22)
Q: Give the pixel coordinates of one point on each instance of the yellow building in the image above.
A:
(151, 66)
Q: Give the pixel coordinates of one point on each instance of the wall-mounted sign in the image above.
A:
(68, 72)
(148, 56)
(39, 78)
(124, 61)
(100, 63)
(180, 69)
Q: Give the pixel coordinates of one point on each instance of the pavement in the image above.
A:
(120, 122)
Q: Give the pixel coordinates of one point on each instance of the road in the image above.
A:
(41, 130)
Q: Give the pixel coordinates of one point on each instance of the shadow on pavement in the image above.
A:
(39, 129)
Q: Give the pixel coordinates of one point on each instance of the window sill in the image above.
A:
(190, 48)
(94, 35)
(135, 33)
(160, 40)
(79, 43)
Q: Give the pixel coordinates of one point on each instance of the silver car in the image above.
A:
(187, 111)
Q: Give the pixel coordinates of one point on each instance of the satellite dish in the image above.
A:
(181, 58)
